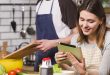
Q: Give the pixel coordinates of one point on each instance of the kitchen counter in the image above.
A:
(30, 71)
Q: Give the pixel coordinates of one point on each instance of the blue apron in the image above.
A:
(45, 30)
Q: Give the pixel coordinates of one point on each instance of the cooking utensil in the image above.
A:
(23, 32)
(13, 23)
(30, 29)
(21, 45)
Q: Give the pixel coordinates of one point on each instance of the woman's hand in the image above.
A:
(79, 66)
(60, 57)
(45, 44)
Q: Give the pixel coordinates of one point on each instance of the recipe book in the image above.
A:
(20, 53)
(76, 51)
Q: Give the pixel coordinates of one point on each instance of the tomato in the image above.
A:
(12, 72)
(18, 70)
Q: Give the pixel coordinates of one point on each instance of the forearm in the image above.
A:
(65, 66)
(65, 40)
(46, 44)
(68, 67)
(68, 38)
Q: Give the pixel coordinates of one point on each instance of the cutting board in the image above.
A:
(20, 53)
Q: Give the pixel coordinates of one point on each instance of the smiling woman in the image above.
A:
(92, 38)
(89, 23)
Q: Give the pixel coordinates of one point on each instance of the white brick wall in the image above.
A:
(6, 32)
(4, 1)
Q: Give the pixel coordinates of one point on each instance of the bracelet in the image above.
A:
(58, 42)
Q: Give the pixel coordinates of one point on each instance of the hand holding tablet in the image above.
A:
(76, 51)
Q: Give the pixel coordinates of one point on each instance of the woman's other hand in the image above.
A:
(79, 66)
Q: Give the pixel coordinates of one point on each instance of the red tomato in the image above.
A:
(18, 70)
(12, 72)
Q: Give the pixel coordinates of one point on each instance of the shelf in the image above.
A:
(107, 10)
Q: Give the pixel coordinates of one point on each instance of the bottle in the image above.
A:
(46, 67)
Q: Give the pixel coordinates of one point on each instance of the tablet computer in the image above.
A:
(76, 51)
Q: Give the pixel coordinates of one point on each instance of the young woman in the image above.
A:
(94, 40)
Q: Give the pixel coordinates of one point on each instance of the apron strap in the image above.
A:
(51, 6)
(40, 6)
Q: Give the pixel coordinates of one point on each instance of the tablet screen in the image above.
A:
(76, 51)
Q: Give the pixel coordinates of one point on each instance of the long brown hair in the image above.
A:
(95, 7)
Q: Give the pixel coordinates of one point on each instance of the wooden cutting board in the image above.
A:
(20, 53)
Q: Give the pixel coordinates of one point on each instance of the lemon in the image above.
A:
(11, 64)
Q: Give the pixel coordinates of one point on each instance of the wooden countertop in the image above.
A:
(30, 71)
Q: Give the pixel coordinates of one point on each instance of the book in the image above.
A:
(76, 51)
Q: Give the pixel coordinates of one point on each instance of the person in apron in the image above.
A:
(45, 30)
(54, 25)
